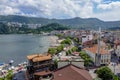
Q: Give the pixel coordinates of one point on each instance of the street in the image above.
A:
(114, 65)
(19, 76)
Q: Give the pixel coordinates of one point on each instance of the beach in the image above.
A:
(53, 41)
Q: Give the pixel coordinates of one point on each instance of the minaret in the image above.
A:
(98, 55)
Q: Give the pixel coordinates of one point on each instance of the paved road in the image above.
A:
(19, 76)
(114, 65)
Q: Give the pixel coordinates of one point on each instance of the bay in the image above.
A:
(16, 47)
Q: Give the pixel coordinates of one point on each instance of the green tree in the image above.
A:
(60, 48)
(52, 51)
(76, 39)
(87, 60)
(105, 73)
(56, 63)
(115, 77)
(67, 41)
(1, 78)
(74, 49)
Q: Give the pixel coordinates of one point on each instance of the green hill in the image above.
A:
(53, 26)
(86, 23)
(5, 29)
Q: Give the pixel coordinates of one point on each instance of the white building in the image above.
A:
(117, 51)
(117, 47)
(105, 54)
(86, 37)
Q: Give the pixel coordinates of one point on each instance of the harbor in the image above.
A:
(17, 65)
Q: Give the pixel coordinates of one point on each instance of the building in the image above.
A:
(39, 66)
(75, 60)
(117, 48)
(63, 59)
(104, 54)
(71, 72)
(87, 37)
(117, 51)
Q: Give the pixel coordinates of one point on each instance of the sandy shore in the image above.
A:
(53, 40)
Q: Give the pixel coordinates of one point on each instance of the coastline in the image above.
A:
(53, 40)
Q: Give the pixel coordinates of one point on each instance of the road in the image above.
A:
(114, 65)
(19, 76)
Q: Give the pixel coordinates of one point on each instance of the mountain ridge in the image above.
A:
(76, 22)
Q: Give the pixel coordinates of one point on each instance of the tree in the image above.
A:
(105, 73)
(60, 48)
(52, 51)
(116, 77)
(87, 60)
(74, 49)
(76, 40)
(56, 63)
(67, 41)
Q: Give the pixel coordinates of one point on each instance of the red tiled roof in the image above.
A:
(39, 57)
(71, 72)
(94, 49)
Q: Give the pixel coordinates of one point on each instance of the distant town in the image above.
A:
(74, 52)
(73, 55)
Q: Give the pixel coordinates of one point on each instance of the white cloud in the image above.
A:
(112, 5)
(109, 11)
(97, 1)
(6, 10)
(111, 15)
(62, 8)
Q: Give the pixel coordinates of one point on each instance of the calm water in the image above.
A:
(17, 47)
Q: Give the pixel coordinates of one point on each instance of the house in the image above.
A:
(117, 51)
(71, 72)
(86, 38)
(39, 66)
(88, 43)
(75, 60)
(117, 48)
(64, 59)
(104, 55)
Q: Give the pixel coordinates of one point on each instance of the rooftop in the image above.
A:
(71, 72)
(38, 57)
(94, 49)
(71, 58)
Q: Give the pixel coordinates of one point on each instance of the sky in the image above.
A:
(107, 10)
